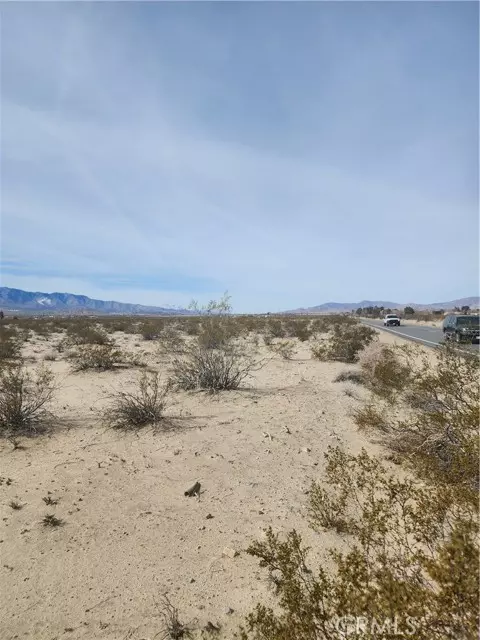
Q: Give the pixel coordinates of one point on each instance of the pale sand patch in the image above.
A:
(130, 534)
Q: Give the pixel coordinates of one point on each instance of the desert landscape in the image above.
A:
(97, 527)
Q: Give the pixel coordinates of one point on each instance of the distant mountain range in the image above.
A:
(16, 300)
(340, 307)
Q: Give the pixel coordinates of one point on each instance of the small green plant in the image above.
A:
(24, 398)
(144, 406)
(15, 505)
(385, 369)
(48, 500)
(52, 521)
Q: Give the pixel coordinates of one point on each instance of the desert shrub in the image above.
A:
(384, 368)
(10, 345)
(344, 342)
(437, 430)
(78, 334)
(409, 566)
(268, 340)
(217, 332)
(95, 356)
(298, 328)
(171, 340)
(275, 328)
(143, 406)
(285, 349)
(24, 398)
(211, 369)
(350, 376)
(191, 326)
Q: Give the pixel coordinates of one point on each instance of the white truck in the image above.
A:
(391, 320)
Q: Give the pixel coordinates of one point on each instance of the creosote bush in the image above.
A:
(285, 349)
(410, 567)
(385, 369)
(438, 431)
(95, 356)
(142, 407)
(24, 399)
(10, 344)
(344, 342)
(211, 369)
(79, 333)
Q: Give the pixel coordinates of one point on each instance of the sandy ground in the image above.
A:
(129, 533)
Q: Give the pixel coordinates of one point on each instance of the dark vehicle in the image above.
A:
(462, 328)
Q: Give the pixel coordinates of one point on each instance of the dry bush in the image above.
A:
(211, 369)
(171, 340)
(79, 334)
(408, 566)
(284, 348)
(344, 342)
(298, 328)
(141, 407)
(10, 344)
(350, 376)
(275, 328)
(95, 356)
(173, 627)
(218, 331)
(385, 369)
(438, 431)
(24, 398)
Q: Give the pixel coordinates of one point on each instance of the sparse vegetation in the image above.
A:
(211, 369)
(173, 628)
(144, 406)
(48, 500)
(95, 357)
(385, 369)
(52, 521)
(15, 505)
(284, 348)
(350, 376)
(344, 342)
(24, 398)
(412, 557)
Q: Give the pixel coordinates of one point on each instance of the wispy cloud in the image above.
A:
(291, 153)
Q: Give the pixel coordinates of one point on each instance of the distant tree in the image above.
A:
(359, 311)
(409, 311)
(465, 308)
(456, 308)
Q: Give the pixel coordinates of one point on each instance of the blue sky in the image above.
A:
(292, 153)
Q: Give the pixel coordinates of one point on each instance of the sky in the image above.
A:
(290, 153)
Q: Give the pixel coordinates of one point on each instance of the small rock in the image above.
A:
(192, 580)
(229, 552)
(209, 516)
(228, 611)
(306, 449)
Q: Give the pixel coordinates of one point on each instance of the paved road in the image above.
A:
(429, 336)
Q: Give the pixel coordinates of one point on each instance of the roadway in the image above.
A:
(429, 336)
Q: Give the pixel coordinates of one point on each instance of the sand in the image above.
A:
(129, 533)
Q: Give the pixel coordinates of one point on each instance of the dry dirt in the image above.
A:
(129, 533)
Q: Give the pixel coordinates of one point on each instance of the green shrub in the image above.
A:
(344, 343)
(385, 369)
(411, 556)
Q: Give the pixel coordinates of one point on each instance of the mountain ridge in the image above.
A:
(472, 302)
(38, 301)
